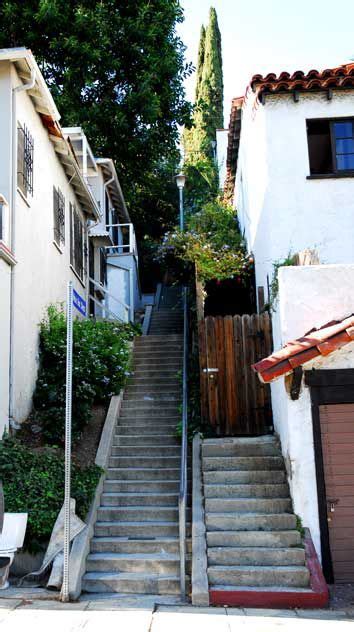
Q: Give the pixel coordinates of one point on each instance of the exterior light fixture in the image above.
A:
(180, 181)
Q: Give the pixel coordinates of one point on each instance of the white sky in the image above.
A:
(261, 36)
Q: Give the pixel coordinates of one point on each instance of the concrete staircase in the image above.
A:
(252, 541)
(135, 549)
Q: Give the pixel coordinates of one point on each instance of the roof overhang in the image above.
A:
(113, 186)
(100, 237)
(27, 67)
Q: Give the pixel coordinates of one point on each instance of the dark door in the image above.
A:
(337, 439)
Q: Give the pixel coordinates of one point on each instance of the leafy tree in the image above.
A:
(199, 141)
(116, 68)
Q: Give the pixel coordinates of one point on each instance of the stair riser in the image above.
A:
(135, 429)
(267, 449)
(139, 586)
(297, 578)
(130, 514)
(144, 394)
(250, 505)
(138, 461)
(142, 340)
(148, 474)
(129, 566)
(225, 556)
(228, 492)
(152, 530)
(253, 538)
(153, 347)
(99, 545)
(154, 384)
(146, 450)
(148, 407)
(242, 463)
(246, 478)
(158, 441)
(142, 486)
(156, 365)
(143, 375)
(139, 499)
(250, 522)
(176, 356)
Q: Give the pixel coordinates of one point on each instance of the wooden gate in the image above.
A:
(233, 399)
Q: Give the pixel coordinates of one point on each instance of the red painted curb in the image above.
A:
(316, 597)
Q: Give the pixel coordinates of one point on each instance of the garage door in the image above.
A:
(337, 433)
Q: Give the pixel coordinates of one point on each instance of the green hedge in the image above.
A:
(33, 481)
(100, 367)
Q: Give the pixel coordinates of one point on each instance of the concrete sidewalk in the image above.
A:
(106, 615)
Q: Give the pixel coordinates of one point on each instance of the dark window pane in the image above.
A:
(320, 150)
(345, 161)
(344, 129)
(345, 146)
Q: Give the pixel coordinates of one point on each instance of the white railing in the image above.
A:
(123, 237)
(106, 312)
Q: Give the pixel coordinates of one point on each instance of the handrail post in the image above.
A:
(182, 501)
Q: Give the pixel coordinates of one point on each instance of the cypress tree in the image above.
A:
(200, 65)
(211, 90)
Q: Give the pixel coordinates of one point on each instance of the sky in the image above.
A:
(261, 36)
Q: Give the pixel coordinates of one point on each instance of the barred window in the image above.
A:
(59, 216)
(24, 160)
(76, 242)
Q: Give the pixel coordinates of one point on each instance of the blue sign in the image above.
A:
(79, 303)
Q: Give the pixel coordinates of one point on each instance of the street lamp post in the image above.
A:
(180, 181)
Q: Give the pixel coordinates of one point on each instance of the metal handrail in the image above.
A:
(182, 499)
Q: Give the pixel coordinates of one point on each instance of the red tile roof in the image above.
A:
(318, 342)
(314, 80)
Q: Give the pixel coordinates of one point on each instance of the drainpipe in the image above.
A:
(13, 157)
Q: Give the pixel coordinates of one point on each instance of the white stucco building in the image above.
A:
(290, 175)
(53, 194)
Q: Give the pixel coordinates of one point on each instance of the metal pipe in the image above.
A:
(181, 210)
(182, 500)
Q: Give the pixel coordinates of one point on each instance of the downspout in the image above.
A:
(105, 185)
(13, 157)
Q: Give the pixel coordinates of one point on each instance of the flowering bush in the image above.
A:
(212, 242)
(100, 367)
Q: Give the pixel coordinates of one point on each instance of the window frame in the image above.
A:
(75, 221)
(25, 160)
(58, 209)
(335, 173)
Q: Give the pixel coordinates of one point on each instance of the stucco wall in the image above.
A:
(309, 296)
(42, 272)
(5, 272)
(280, 210)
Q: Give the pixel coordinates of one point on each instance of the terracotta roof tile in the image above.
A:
(318, 342)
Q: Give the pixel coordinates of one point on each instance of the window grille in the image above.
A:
(76, 242)
(59, 216)
(25, 148)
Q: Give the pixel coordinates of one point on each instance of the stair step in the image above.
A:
(249, 522)
(256, 556)
(151, 563)
(143, 513)
(134, 583)
(141, 486)
(274, 539)
(158, 440)
(248, 505)
(145, 461)
(142, 340)
(170, 430)
(136, 529)
(142, 473)
(248, 446)
(243, 463)
(146, 450)
(124, 499)
(136, 545)
(243, 477)
(291, 576)
(155, 374)
(226, 493)
(159, 394)
(148, 408)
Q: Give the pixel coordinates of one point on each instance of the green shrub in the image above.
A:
(100, 366)
(33, 481)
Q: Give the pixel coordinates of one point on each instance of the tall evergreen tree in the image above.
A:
(200, 65)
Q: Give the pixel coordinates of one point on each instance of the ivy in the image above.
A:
(290, 260)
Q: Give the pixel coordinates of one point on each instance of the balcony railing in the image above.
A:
(123, 238)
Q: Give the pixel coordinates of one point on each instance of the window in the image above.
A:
(24, 160)
(59, 216)
(331, 146)
(76, 242)
(103, 266)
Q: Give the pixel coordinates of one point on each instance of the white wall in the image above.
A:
(41, 272)
(309, 296)
(280, 210)
(5, 272)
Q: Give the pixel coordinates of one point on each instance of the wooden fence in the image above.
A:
(233, 399)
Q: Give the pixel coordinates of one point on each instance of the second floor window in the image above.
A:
(331, 146)
(25, 148)
(76, 242)
(59, 216)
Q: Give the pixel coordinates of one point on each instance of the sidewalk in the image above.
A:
(106, 616)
